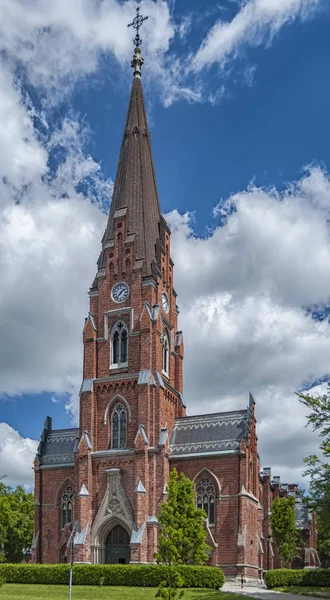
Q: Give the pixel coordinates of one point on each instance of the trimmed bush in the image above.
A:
(126, 575)
(299, 577)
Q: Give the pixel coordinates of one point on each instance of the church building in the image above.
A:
(105, 481)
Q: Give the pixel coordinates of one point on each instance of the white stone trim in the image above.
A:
(116, 398)
(203, 470)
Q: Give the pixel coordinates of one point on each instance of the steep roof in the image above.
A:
(135, 185)
(209, 434)
(59, 447)
(302, 515)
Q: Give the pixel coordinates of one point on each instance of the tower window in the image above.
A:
(119, 346)
(206, 497)
(118, 427)
(67, 505)
(166, 353)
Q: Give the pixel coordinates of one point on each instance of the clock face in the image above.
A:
(120, 292)
(165, 304)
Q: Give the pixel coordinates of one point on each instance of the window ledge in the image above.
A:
(119, 366)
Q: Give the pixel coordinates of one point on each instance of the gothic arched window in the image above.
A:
(166, 353)
(67, 505)
(118, 427)
(206, 498)
(119, 345)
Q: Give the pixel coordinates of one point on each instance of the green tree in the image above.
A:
(284, 530)
(182, 534)
(16, 522)
(318, 470)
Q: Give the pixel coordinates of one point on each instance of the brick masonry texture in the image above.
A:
(240, 538)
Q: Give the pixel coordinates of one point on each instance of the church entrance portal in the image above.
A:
(117, 548)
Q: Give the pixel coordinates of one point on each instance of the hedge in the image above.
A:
(127, 575)
(299, 577)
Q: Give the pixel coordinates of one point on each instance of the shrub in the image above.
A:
(127, 575)
(299, 577)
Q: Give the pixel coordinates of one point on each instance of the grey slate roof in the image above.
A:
(214, 433)
(302, 515)
(59, 447)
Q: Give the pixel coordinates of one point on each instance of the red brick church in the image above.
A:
(109, 476)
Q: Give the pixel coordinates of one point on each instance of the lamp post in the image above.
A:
(71, 541)
(74, 528)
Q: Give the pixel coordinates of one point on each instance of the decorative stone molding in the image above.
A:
(115, 509)
(241, 537)
(140, 489)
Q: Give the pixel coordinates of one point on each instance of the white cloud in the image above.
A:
(242, 293)
(240, 290)
(61, 42)
(16, 456)
(255, 23)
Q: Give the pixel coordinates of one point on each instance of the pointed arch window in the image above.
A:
(119, 427)
(166, 353)
(119, 346)
(206, 498)
(67, 505)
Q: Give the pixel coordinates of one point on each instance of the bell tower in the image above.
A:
(133, 352)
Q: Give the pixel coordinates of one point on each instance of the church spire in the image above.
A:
(135, 186)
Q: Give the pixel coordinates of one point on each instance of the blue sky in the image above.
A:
(237, 96)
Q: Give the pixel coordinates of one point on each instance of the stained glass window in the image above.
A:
(206, 497)
(166, 353)
(67, 505)
(118, 427)
(119, 345)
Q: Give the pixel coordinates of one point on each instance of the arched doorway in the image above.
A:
(117, 548)
(297, 563)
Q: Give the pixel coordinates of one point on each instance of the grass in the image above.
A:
(13, 591)
(317, 592)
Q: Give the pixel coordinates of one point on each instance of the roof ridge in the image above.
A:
(225, 413)
(67, 429)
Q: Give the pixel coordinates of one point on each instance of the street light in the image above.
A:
(74, 528)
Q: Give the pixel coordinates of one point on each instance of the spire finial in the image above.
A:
(138, 60)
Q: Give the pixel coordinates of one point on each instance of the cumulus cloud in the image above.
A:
(60, 43)
(243, 293)
(255, 23)
(16, 456)
(242, 289)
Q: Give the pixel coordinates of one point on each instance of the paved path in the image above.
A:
(261, 592)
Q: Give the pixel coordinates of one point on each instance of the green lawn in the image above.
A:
(318, 592)
(13, 591)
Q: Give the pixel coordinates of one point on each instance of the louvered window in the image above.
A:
(166, 353)
(118, 427)
(119, 345)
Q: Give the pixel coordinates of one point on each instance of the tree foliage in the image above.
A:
(284, 530)
(318, 470)
(16, 522)
(182, 535)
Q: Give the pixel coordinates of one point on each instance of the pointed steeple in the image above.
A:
(135, 185)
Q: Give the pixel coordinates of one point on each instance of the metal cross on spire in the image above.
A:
(136, 24)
